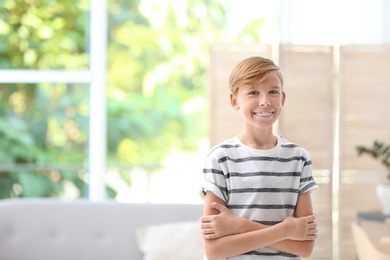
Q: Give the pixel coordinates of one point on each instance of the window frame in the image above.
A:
(95, 77)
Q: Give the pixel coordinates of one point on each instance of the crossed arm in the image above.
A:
(227, 235)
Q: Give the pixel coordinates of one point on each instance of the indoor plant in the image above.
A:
(380, 151)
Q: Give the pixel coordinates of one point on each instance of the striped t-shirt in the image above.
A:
(261, 185)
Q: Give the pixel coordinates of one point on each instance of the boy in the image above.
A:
(257, 185)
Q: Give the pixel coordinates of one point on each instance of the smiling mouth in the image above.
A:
(263, 114)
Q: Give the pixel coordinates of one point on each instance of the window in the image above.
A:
(53, 100)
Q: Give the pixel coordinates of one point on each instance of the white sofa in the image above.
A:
(49, 229)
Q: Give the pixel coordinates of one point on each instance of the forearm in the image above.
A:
(301, 248)
(244, 242)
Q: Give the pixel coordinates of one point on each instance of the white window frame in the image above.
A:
(95, 77)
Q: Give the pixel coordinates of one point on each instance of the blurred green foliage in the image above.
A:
(43, 127)
(156, 87)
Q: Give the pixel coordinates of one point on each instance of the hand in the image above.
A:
(216, 226)
(303, 228)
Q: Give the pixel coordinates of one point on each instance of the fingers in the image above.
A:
(208, 236)
(308, 228)
(208, 218)
(215, 205)
(310, 218)
(312, 236)
(312, 232)
(312, 225)
(207, 231)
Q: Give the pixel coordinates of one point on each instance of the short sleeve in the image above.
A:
(307, 182)
(214, 178)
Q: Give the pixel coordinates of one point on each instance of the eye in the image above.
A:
(252, 93)
(274, 92)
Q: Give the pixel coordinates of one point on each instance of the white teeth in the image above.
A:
(264, 114)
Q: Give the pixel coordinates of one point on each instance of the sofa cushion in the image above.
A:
(178, 240)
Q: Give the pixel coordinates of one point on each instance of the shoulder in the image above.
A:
(228, 146)
(293, 149)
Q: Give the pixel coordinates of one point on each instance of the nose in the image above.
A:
(264, 101)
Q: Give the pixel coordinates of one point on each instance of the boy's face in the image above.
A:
(260, 105)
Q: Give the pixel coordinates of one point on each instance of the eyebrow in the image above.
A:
(272, 87)
(253, 87)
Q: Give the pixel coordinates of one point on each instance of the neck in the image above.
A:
(261, 141)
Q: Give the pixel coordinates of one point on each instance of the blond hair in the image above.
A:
(253, 71)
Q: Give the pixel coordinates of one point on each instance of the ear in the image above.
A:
(233, 101)
(283, 97)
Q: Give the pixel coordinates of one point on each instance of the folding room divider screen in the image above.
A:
(364, 117)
